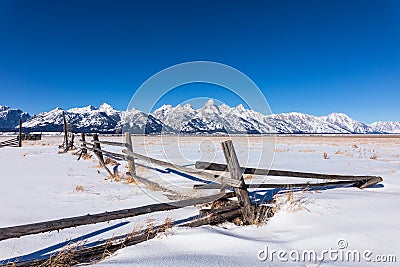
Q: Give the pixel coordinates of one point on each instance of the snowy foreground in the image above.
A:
(38, 184)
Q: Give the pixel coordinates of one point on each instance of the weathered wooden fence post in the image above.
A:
(84, 150)
(99, 154)
(20, 133)
(129, 147)
(71, 144)
(236, 173)
(65, 131)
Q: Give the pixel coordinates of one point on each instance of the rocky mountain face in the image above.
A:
(209, 119)
(9, 117)
(385, 127)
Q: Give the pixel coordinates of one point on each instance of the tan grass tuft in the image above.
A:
(79, 188)
(130, 180)
(110, 161)
(167, 226)
(293, 201)
(374, 157)
(86, 156)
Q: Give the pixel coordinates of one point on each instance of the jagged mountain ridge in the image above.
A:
(9, 117)
(210, 119)
(87, 119)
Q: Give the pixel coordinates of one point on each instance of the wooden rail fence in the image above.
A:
(235, 179)
(17, 141)
(243, 208)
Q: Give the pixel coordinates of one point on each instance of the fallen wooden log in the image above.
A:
(369, 182)
(35, 228)
(223, 167)
(90, 254)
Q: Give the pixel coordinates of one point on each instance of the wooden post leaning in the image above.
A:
(84, 150)
(71, 144)
(65, 131)
(20, 133)
(99, 155)
(129, 147)
(236, 173)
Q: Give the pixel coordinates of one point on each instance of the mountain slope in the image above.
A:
(345, 122)
(9, 117)
(385, 127)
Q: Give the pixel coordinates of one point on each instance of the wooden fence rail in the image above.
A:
(221, 181)
(363, 181)
(282, 185)
(14, 142)
(35, 228)
(201, 174)
(111, 143)
(235, 181)
(90, 253)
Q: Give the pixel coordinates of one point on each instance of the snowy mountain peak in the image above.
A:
(165, 107)
(187, 106)
(9, 117)
(106, 107)
(209, 103)
(240, 108)
(208, 109)
(3, 108)
(79, 110)
(344, 121)
(57, 109)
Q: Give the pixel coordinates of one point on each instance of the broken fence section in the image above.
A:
(243, 208)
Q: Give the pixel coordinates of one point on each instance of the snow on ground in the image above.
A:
(38, 184)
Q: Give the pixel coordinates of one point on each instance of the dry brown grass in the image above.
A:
(307, 150)
(79, 189)
(249, 176)
(339, 152)
(150, 227)
(325, 155)
(374, 157)
(167, 226)
(292, 201)
(65, 258)
(130, 180)
(86, 156)
(110, 161)
(116, 177)
(280, 150)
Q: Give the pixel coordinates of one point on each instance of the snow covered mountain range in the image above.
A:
(209, 119)
(9, 117)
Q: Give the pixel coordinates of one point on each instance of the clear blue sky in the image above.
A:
(314, 57)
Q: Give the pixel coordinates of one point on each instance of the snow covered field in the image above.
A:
(38, 184)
